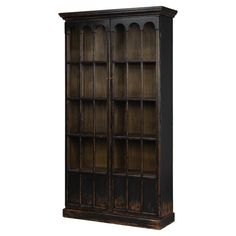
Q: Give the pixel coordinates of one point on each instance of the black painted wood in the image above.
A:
(119, 116)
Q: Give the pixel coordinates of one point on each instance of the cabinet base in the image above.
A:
(120, 219)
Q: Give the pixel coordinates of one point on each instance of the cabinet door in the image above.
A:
(134, 45)
(87, 61)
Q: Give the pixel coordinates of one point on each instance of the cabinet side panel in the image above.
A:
(166, 157)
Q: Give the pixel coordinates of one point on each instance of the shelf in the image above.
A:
(99, 171)
(137, 174)
(87, 98)
(87, 135)
(134, 61)
(138, 99)
(86, 62)
(134, 137)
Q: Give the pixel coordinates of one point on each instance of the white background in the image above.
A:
(32, 118)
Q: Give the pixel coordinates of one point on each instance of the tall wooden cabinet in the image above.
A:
(119, 116)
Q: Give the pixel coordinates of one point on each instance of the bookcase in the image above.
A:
(118, 135)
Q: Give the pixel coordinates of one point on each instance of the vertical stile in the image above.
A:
(112, 118)
(94, 115)
(66, 60)
(80, 106)
(109, 127)
(158, 113)
(126, 113)
(142, 125)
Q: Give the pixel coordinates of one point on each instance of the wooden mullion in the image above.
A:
(94, 119)
(127, 119)
(109, 115)
(80, 109)
(112, 116)
(158, 124)
(66, 111)
(142, 124)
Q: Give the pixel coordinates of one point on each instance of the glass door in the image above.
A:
(134, 151)
(87, 129)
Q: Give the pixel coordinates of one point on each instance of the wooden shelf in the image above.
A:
(87, 135)
(135, 174)
(87, 98)
(134, 137)
(101, 171)
(137, 99)
(134, 61)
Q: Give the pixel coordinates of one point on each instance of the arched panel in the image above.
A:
(149, 41)
(134, 42)
(119, 42)
(100, 43)
(87, 43)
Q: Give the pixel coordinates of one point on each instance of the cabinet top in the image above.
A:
(160, 10)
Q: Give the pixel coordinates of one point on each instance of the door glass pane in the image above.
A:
(101, 154)
(134, 190)
(119, 42)
(134, 42)
(87, 117)
(149, 41)
(101, 189)
(134, 156)
(86, 154)
(86, 189)
(100, 81)
(100, 43)
(134, 80)
(87, 81)
(87, 44)
(119, 80)
(119, 155)
(134, 118)
(119, 192)
(73, 45)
